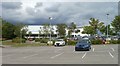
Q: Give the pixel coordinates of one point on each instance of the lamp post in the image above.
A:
(107, 25)
(50, 18)
(21, 35)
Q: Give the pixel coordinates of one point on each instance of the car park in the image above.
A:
(59, 42)
(83, 45)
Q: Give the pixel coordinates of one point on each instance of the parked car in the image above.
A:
(59, 42)
(85, 37)
(115, 38)
(83, 45)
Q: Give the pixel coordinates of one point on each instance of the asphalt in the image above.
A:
(99, 54)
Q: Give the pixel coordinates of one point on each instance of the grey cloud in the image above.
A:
(30, 11)
(0, 9)
(66, 13)
(11, 5)
(38, 4)
(54, 8)
(119, 8)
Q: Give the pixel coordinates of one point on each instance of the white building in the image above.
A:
(78, 32)
(40, 29)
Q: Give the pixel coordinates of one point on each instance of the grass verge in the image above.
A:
(9, 43)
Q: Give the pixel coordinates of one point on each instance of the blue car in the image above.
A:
(83, 45)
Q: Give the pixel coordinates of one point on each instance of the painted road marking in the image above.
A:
(112, 49)
(57, 50)
(93, 49)
(30, 56)
(111, 55)
(79, 52)
(57, 55)
(84, 55)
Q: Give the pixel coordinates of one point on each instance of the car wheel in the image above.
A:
(89, 49)
(76, 50)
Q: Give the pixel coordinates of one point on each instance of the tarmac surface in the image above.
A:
(99, 54)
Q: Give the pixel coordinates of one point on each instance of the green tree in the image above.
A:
(46, 29)
(39, 34)
(20, 30)
(116, 23)
(24, 30)
(95, 25)
(111, 31)
(88, 30)
(61, 29)
(72, 27)
(0, 27)
(7, 30)
(30, 33)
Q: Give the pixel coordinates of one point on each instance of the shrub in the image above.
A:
(71, 42)
(114, 41)
(118, 41)
(43, 40)
(96, 41)
(18, 40)
(53, 42)
(37, 40)
(65, 39)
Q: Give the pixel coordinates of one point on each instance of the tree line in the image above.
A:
(10, 31)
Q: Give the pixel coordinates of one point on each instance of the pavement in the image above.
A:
(99, 54)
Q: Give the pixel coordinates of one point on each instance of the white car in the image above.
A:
(59, 42)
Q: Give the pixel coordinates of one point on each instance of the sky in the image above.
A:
(28, 12)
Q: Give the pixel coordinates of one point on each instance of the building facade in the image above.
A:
(78, 32)
(40, 31)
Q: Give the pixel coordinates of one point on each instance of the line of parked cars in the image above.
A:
(82, 44)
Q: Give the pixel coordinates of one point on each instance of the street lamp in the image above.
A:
(50, 18)
(21, 35)
(107, 25)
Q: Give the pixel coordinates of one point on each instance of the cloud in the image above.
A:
(11, 5)
(53, 8)
(39, 4)
(62, 12)
(30, 10)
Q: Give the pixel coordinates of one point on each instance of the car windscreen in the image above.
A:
(59, 40)
(84, 41)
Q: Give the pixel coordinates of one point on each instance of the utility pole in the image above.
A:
(107, 24)
(50, 18)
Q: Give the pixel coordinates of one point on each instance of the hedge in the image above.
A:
(114, 41)
(37, 40)
(96, 41)
(71, 42)
(43, 40)
(18, 40)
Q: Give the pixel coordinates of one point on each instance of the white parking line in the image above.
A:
(56, 55)
(57, 50)
(93, 49)
(84, 55)
(112, 49)
(58, 47)
(111, 55)
(30, 56)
